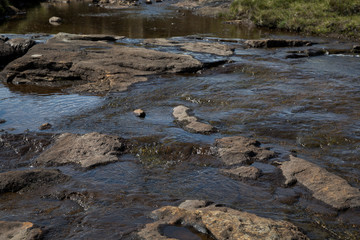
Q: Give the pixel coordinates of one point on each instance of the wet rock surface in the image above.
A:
(219, 223)
(243, 172)
(85, 150)
(94, 65)
(307, 53)
(14, 181)
(241, 150)
(19, 231)
(325, 186)
(276, 43)
(191, 123)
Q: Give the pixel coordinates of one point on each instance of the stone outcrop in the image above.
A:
(85, 150)
(276, 43)
(219, 222)
(19, 231)
(93, 66)
(325, 186)
(243, 172)
(240, 150)
(191, 123)
(14, 181)
(307, 53)
(13, 48)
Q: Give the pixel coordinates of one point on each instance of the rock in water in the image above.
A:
(14, 181)
(19, 231)
(191, 123)
(221, 222)
(86, 150)
(276, 43)
(240, 150)
(139, 113)
(55, 20)
(325, 186)
(243, 172)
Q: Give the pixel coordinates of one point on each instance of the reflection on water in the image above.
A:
(145, 21)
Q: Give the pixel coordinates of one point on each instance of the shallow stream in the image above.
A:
(308, 106)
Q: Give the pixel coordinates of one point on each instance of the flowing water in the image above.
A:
(307, 106)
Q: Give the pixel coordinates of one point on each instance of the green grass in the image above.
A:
(325, 17)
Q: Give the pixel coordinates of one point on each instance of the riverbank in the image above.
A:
(330, 18)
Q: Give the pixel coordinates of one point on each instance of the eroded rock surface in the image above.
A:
(19, 231)
(243, 172)
(13, 48)
(14, 181)
(94, 65)
(191, 123)
(86, 150)
(325, 186)
(240, 150)
(275, 43)
(220, 222)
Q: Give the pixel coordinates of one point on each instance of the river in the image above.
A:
(307, 106)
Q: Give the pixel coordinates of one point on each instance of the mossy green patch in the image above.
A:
(315, 17)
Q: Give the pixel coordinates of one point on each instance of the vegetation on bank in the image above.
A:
(324, 17)
(3, 5)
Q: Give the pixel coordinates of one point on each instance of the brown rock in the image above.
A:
(325, 186)
(241, 150)
(14, 181)
(86, 150)
(140, 113)
(191, 123)
(212, 48)
(276, 43)
(45, 126)
(19, 231)
(243, 172)
(220, 222)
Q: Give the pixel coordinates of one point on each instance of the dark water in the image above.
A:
(309, 106)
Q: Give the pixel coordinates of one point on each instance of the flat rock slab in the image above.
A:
(14, 181)
(220, 222)
(239, 150)
(200, 47)
(191, 123)
(243, 172)
(276, 43)
(85, 150)
(325, 186)
(19, 231)
(92, 66)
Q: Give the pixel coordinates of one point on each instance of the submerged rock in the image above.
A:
(240, 150)
(191, 123)
(243, 172)
(86, 150)
(19, 231)
(325, 186)
(93, 66)
(219, 222)
(14, 181)
(276, 43)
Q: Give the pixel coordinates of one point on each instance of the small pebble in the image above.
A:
(139, 113)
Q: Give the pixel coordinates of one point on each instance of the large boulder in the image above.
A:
(325, 186)
(19, 231)
(96, 65)
(14, 181)
(220, 222)
(239, 150)
(85, 150)
(14, 48)
(191, 123)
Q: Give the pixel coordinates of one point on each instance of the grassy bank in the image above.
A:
(324, 17)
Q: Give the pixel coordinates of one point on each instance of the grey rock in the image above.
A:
(220, 222)
(86, 150)
(13, 49)
(240, 150)
(14, 181)
(243, 172)
(191, 123)
(19, 231)
(325, 186)
(212, 48)
(193, 204)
